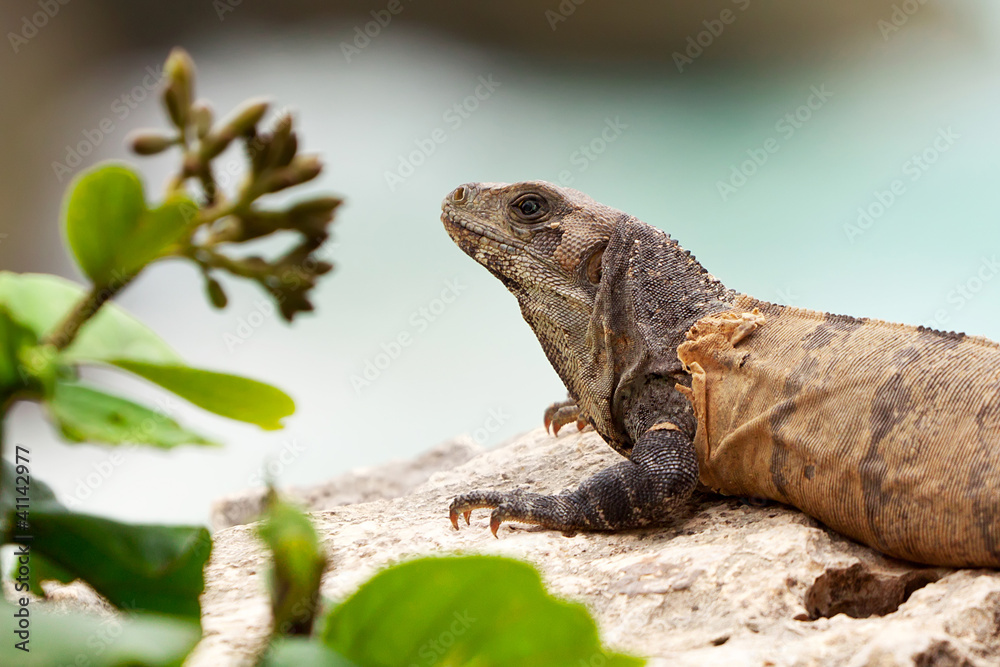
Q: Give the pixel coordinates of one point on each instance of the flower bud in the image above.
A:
(303, 168)
(215, 292)
(177, 96)
(245, 117)
(201, 117)
(283, 143)
(146, 142)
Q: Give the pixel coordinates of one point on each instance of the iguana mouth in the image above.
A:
(482, 242)
(480, 235)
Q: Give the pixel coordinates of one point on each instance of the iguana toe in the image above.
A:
(453, 515)
(465, 503)
(559, 414)
(551, 411)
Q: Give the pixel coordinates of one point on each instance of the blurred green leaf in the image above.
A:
(146, 567)
(83, 414)
(14, 340)
(40, 302)
(480, 610)
(103, 206)
(40, 492)
(231, 396)
(135, 566)
(109, 228)
(299, 652)
(147, 640)
(298, 561)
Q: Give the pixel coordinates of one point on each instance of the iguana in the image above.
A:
(887, 433)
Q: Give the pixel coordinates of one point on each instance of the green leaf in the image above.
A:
(15, 339)
(227, 395)
(146, 567)
(104, 205)
(83, 414)
(299, 652)
(149, 640)
(298, 564)
(40, 302)
(10, 478)
(480, 610)
(110, 230)
(135, 566)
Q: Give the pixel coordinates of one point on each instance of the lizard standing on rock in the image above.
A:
(887, 433)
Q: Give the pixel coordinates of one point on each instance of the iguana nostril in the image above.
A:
(458, 194)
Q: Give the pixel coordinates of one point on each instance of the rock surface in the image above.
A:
(733, 584)
(389, 480)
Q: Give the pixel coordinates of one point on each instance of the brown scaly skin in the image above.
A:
(887, 433)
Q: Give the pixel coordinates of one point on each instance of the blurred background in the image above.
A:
(833, 155)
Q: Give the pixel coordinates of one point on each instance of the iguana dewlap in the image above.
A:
(887, 433)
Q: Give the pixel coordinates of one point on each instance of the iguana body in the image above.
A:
(887, 433)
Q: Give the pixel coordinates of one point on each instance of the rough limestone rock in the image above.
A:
(733, 584)
(389, 480)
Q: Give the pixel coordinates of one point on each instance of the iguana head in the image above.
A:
(543, 241)
(546, 244)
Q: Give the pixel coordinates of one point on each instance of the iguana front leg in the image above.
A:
(648, 489)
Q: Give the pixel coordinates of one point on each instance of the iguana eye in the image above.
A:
(530, 208)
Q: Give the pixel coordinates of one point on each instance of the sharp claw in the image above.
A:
(581, 424)
(555, 428)
(453, 515)
(466, 514)
(548, 421)
(495, 526)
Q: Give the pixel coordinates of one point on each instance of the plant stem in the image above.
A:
(86, 308)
